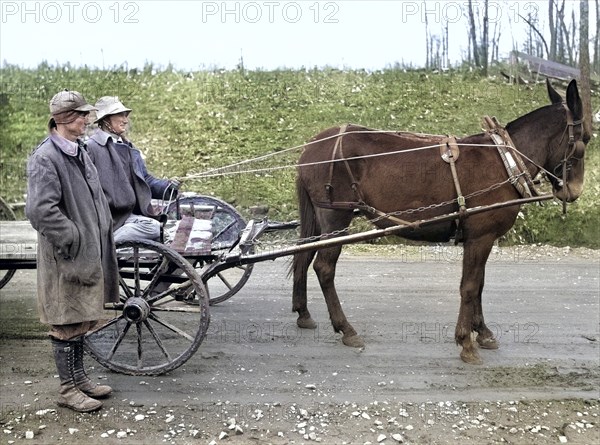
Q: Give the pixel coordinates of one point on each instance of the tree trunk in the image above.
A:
(584, 64)
(530, 42)
(574, 49)
(447, 45)
(495, 42)
(473, 35)
(597, 41)
(485, 42)
(552, 53)
(560, 23)
(427, 43)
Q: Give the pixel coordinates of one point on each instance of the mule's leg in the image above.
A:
(299, 302)
(475, 256)
(485, 337)
(324, 266)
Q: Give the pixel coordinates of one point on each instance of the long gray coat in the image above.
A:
(126, 182)
(76, 266)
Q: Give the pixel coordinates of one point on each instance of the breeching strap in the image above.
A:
(337, 148)
(360, 204)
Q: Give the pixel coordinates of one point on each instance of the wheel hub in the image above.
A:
(136, 310)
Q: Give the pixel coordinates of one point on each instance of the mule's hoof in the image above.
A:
(488, 343)
(306, 323)
(472, 358)
(353, 341)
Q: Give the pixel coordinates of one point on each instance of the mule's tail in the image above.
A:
(308, 228)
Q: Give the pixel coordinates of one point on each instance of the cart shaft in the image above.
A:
(240, 255)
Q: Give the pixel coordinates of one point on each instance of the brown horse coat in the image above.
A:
(387, 172)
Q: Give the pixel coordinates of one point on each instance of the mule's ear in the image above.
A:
(574, 101)
(554, 96)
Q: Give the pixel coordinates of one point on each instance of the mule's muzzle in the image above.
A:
(568, 192)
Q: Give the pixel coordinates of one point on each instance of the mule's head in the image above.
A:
(565, 161)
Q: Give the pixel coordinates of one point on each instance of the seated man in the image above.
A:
(125, 180)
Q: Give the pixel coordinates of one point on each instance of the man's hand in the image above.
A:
(175, 183)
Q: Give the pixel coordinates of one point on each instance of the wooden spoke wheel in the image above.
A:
(227, 224)
(226, 283)
(6, 214)
(152, 330)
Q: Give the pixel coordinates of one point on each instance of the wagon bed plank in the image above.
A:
(18, 240)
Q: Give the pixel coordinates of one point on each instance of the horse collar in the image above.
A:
(518, 173)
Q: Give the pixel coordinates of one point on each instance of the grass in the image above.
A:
(186, 123)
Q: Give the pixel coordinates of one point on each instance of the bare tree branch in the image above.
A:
(538, 33)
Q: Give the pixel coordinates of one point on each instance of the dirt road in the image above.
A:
(258, 379)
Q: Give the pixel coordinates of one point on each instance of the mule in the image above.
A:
(381, 173)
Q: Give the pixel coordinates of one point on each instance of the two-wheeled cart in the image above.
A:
(162, 297)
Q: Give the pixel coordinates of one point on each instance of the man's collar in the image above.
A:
(68, 147)
(101, 137)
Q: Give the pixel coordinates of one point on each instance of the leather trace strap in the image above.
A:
(518, 173)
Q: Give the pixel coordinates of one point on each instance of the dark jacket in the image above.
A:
(125, 180)
(76, 260)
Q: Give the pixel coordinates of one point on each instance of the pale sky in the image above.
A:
(268, 34)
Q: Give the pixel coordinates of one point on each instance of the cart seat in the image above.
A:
(192, 235)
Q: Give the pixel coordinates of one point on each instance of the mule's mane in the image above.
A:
(533, 121)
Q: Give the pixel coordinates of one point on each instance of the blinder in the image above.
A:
(579, 151)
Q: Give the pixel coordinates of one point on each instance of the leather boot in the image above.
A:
(82, 381)
(69, 395)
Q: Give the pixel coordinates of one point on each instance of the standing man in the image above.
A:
(125, 180)
(76, 261)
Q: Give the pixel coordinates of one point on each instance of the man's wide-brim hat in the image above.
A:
(69, 101)
(108, 105)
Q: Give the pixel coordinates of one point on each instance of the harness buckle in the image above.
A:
(329, 191)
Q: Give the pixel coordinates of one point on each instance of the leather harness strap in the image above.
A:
(449, 151)
(518, 173)
(338, 148)
(363, 207)
(338, 154)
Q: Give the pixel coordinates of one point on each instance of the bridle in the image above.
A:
(570, 153)
(573, 152)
